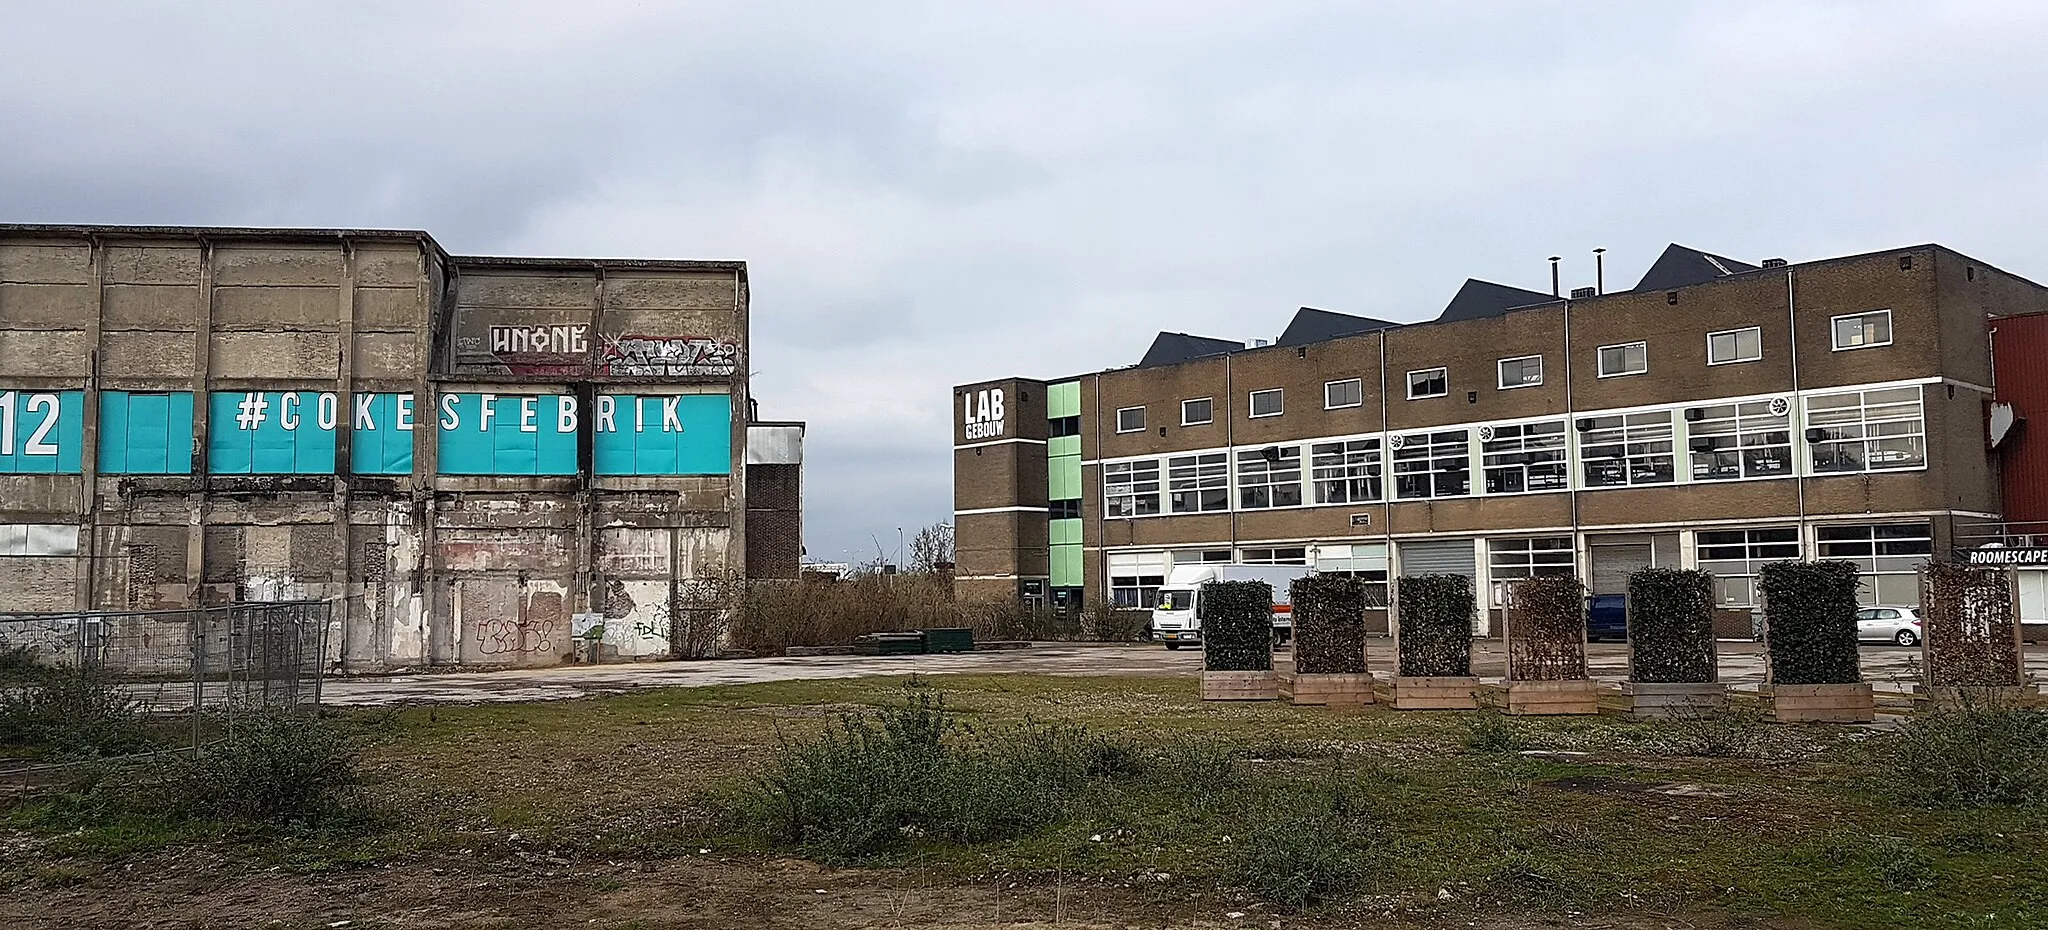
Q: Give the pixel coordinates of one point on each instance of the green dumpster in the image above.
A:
(949, 640)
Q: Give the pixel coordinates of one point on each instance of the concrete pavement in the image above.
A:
(1890, 668)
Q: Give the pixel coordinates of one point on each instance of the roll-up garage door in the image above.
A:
(1438, 557)
(1613, 564)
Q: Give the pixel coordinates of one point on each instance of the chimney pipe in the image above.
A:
(1599, 272)
(1554, 259)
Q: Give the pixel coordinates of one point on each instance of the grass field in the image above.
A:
(601, 813)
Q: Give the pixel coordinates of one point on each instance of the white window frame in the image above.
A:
(1346, 465)
(1280, 479)
(1853, 425)
(1439, 447)
(1883, 552)
(1197, 473)
(1274, 555)
(1644, 437)
(1746, 568)
(1125, 485)
(1835, 331)
(1520, 557)
(1211, 418)
(1252, 403)
(1358, 382)
(1737, 334)
(1600, 359)
(1515, 455)
(1136, 577)
(1120, 411)
(1749, 434)
(1500, 373)
(1440, 370)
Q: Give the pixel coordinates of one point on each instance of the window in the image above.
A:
(1863, 330)
(1294, 556)
(1062, 426)
(1752, 439)
(1366, 562)
(1136, 577)
(1866, 430)
(1526, 371)
(1198, 483)
(1890, 556)
(1199, 556)
(1130, 420)
(1435, 464)
(1632, 358)
(1735, 556)
(1269, 477)
(1735, 345)
(1130, 489)
(1068, 509)
(1267, 403)
(1626, 449)
(1197, 412)
(1510, 559)
(1345, 472)
(1429, 382)
(1524, 457)
(1337, 394)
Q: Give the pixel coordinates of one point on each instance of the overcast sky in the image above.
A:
(930, 194)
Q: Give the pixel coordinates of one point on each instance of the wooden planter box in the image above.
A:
(1956, 697)
(1823, 703)
(1327, 689)
(1673, 699)
(1436, 693)
(1553, 697)
(1240, 686)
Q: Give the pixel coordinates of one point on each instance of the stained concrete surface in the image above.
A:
(1889, 668)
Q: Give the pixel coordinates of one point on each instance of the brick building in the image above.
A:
(195, 416)
(1718, 415)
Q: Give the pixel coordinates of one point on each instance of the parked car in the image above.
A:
(1887, 624)
(1606, 617)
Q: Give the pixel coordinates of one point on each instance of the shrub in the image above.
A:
(1329, 625)
(1237, 626)
(1105, 622)
(72, 710)
(1714, 732)
(1488, 731)
(1671, 626)
(775, 615)
(1435, 617)
(1315, 853)
(1546, 629)
(1968, 757)
(1810, 621)
(276, 766)
(1969, 626)
(876, 783)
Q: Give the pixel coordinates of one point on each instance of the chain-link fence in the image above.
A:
(204, 664)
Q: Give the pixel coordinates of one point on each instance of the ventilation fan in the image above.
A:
(1486, 434)
(1780, 406)
(1396, 442)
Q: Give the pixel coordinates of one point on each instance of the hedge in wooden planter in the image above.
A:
(1546, 646)
(1329, 643)
(1810, 635)
(1433, 638)
(1672, 668)
(1237, 638)
(1970, 623)
(1329, 625)
(1435, 620)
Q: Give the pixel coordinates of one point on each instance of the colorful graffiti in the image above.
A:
(653, 356)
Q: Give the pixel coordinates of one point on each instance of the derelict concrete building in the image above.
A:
(469, 454)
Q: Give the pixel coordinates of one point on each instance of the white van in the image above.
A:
(1177, 620)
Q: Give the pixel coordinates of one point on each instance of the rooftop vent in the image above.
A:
(1774, 263)
(1580, 293)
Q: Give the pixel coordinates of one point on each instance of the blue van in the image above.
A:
(1607, 617)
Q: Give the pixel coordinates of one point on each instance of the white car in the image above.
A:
(1884, 624)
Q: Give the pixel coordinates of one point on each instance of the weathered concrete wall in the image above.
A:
(425, 566)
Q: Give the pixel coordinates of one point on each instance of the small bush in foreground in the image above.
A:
(1490, 731)
(72, 710)
(1968, 757)
(278, 767)
(1715, 732)
(1305, 857)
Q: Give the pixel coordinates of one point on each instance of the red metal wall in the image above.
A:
(2019, 360)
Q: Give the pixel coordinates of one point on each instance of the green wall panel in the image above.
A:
(1066, 566)
(1063, 445)
(1063, 400)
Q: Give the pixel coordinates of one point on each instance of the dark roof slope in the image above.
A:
(1312, 325)
(1484, 298)
(1174, 348)
(1682, 267)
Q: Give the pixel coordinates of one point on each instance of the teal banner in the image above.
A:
(41, 432)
